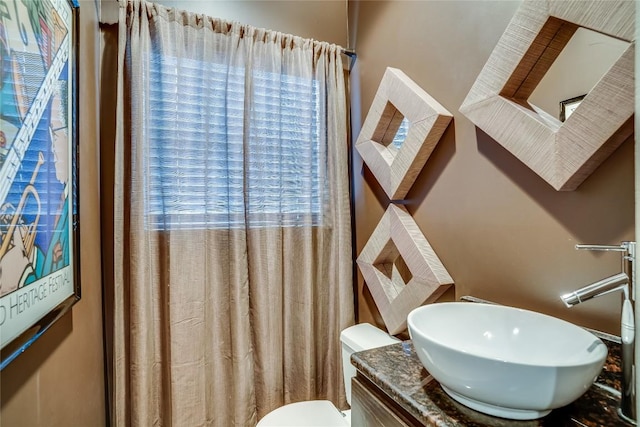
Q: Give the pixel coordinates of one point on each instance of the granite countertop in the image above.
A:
(397, 371)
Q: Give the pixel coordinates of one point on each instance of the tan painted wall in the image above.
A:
(501, 231)
(59, 380)
(324, 20)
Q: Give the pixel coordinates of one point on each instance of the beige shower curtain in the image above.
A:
(226, 310)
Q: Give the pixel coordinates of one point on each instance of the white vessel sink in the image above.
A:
(504, 361)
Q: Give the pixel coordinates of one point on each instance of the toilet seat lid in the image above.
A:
(312, 413)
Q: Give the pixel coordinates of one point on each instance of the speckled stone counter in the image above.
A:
(397, 371)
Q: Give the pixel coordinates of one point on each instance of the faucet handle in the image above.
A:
(629, 249)
(628, 259)
(623, 247)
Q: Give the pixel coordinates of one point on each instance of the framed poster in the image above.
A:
(38, 169)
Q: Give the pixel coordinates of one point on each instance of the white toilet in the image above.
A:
(322, 413)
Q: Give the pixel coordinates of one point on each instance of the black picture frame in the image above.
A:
(39, 143)
(568, 106)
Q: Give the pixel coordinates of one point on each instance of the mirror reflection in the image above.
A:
(401, 134)
(585, 59)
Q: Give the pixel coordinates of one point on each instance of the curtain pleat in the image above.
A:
(218, 325)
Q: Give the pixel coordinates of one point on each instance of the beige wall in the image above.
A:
(59, 380)
(324, 20)
(500, 230)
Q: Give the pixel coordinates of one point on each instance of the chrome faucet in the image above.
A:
(623, 282)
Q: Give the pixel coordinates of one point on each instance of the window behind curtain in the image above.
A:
(214, 163)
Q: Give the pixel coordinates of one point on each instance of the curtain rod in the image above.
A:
(349, 52)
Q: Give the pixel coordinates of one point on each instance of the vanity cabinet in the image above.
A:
(370, 407)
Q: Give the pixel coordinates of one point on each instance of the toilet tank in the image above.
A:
(358, 338)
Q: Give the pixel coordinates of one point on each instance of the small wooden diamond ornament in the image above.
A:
(398, 97)
(401, 268)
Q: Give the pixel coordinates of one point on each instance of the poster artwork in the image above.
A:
(36, 161)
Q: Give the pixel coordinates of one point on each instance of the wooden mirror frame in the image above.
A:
(398, 236)
(398, 97)
(563, 154)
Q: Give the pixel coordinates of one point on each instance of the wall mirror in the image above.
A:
(509, 97)
(402, 128)
(401, 268)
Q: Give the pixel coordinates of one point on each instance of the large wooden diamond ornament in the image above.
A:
(399, 98)
(563, 153)
(400, 268)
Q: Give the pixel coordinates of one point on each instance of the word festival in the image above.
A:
(31, 296)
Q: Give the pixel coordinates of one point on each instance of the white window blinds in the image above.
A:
(217, 160)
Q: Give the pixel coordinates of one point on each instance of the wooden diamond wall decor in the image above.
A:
(400, 268)
(563, 153)
(398, 97)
